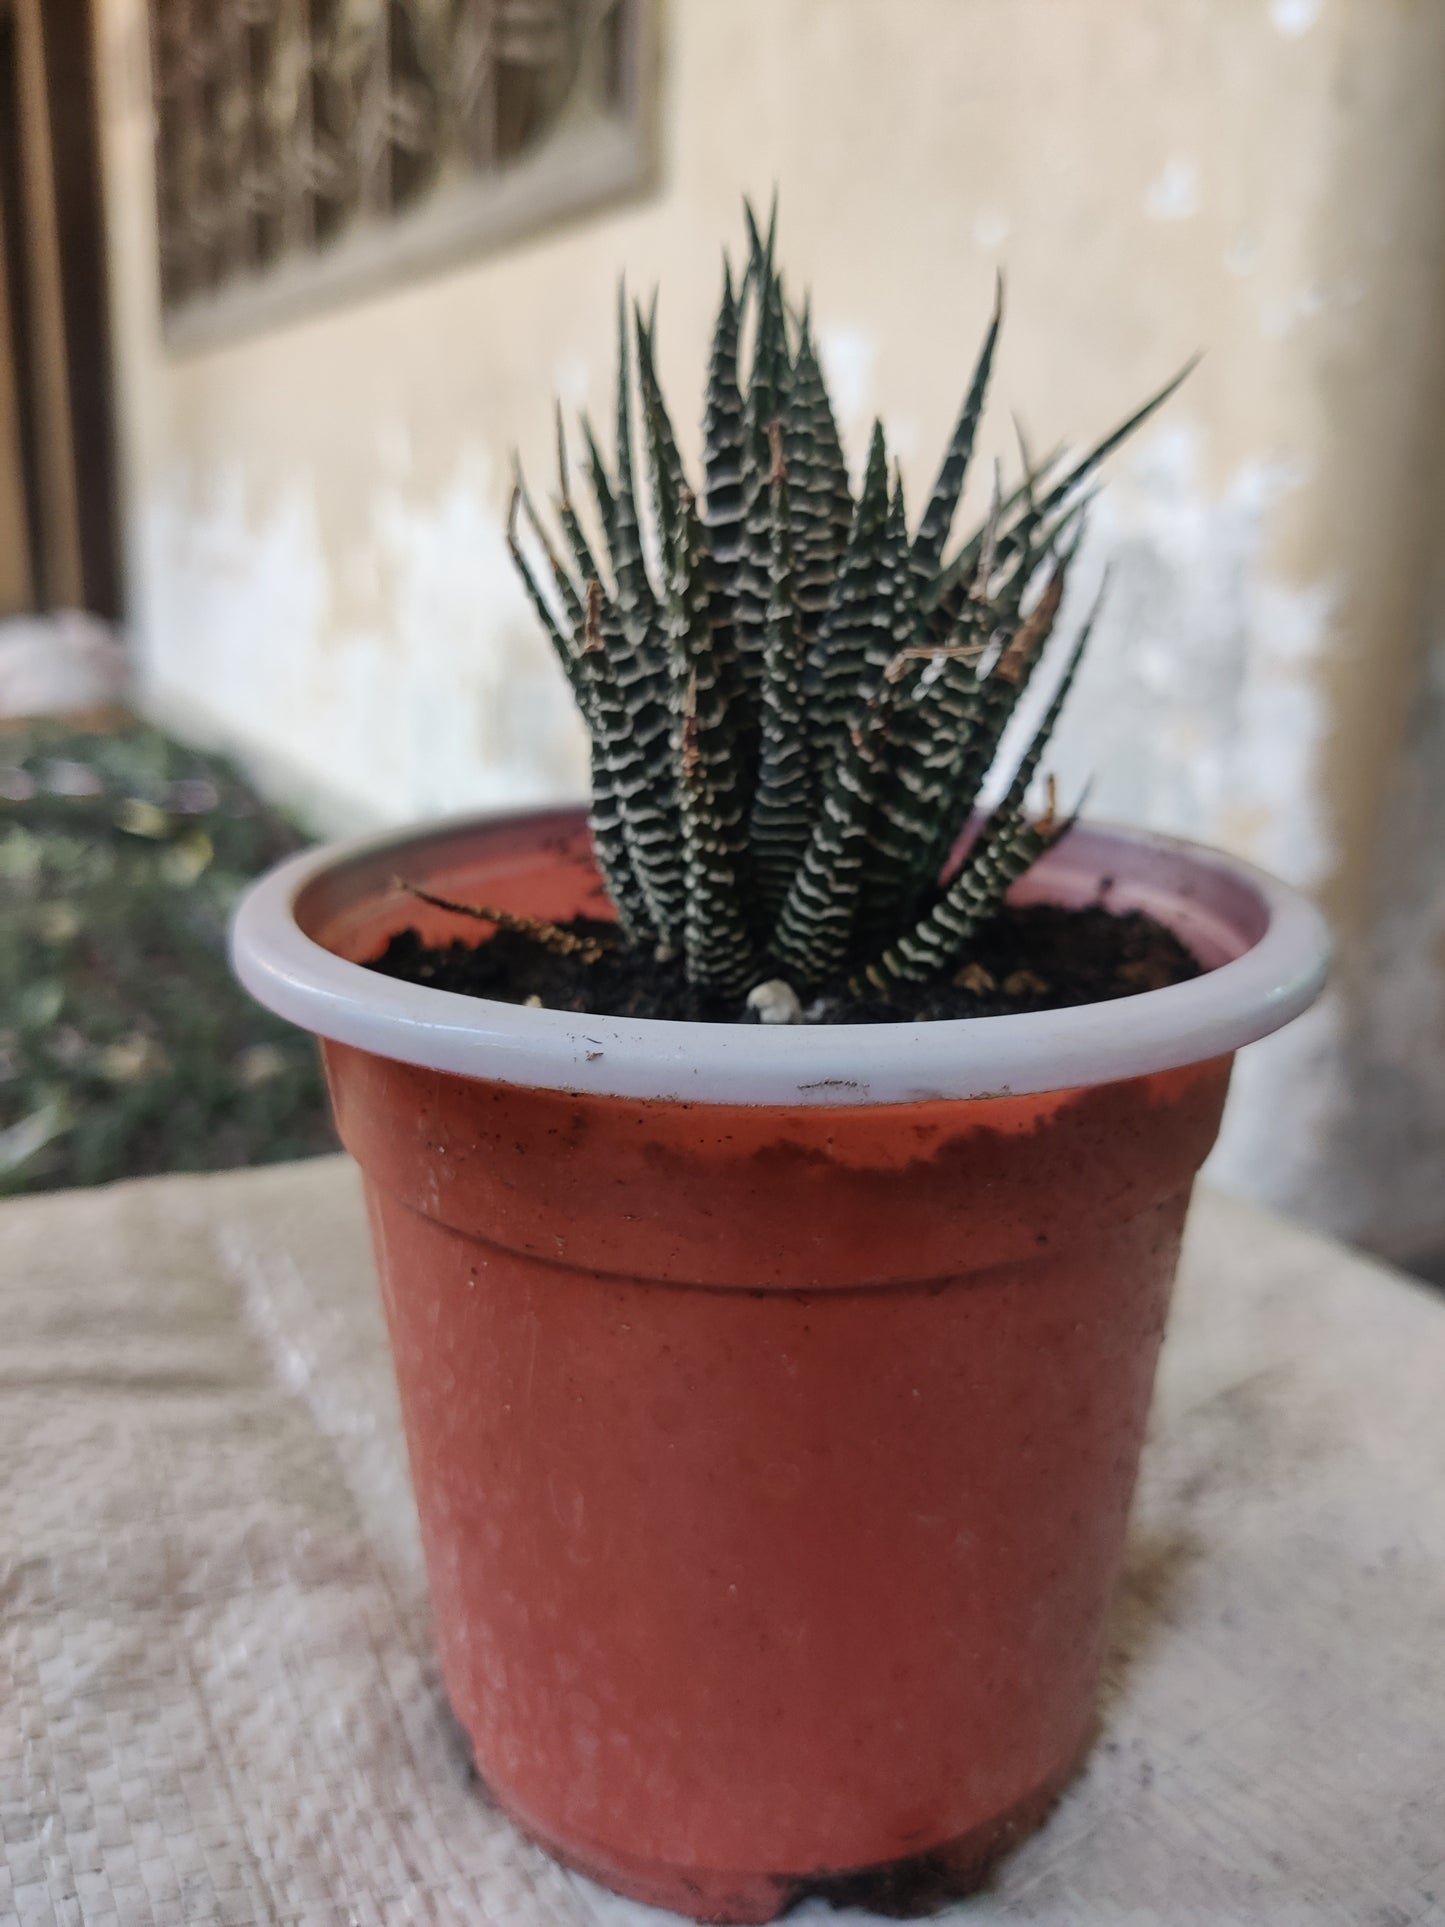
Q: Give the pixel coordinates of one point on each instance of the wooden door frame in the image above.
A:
(53, 220)
(20, 561)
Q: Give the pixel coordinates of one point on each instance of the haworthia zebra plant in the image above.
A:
(794, 696)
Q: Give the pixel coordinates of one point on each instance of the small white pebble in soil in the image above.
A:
(775, 1002)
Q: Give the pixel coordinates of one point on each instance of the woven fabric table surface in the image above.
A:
(219, 1704)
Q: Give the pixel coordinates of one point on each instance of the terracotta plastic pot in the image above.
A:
(774, 1397)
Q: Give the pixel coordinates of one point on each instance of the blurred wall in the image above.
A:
(316, 557)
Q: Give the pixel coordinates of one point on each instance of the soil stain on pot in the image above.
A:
(913, 1887)
(1030, 957)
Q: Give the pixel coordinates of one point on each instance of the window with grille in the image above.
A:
(306, 148)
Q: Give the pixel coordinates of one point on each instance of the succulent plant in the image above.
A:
(794, 696)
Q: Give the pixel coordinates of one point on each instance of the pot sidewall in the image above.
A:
(773, 1459)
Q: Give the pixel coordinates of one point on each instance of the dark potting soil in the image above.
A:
(1030, 957)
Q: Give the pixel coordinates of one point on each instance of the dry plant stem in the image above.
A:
(547, 936)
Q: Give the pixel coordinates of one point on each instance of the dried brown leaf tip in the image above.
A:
(1025, 983)
(973, 977)
(592, 641)
(1018, 657)
(546, 936)
(778, 472)
(1045, 824)
(690, 753)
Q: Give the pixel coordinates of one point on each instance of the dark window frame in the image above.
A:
(597, 145)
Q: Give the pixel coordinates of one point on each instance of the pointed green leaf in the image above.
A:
(717, 946)
(943, 503)
(782, 815)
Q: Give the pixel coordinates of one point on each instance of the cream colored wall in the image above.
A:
(317, 567)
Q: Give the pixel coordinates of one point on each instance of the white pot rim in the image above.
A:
(1216, 903)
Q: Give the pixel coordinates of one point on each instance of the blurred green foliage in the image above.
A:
(126, 1046)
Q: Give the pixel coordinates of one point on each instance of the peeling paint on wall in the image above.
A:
(848, 356)
(1289, 1100)
(1395, 1063)
(1294, 17)
(401, 676)
(1201, 710)
(1344, 1113)
(1176, 192)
